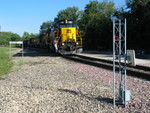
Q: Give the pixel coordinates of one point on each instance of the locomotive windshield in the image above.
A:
(65, 23)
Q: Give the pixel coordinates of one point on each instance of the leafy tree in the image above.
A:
(96, 24)
(45, 26)
(27, 36)
(4, 40)
(70, 13)
(138, 18)
(5, 37)
(15, 37)
(33, 35)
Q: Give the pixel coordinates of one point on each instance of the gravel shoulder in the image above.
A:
(45, 83)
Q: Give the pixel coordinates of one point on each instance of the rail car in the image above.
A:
(62, 37)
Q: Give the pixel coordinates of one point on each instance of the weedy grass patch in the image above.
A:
(6, 63)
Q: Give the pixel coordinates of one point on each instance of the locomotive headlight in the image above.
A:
(77, 43)
(63, 44)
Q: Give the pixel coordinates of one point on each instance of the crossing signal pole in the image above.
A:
(120, 93)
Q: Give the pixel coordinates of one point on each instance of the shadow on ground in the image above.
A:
(35, 53)
(87, 96)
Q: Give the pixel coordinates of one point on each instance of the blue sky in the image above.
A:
(18, 16)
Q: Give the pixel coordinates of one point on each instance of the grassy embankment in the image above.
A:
(5, 62)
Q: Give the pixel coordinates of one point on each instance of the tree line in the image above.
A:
(5, 37)
(95, 23)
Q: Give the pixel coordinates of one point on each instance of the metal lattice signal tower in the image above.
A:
(120, 92)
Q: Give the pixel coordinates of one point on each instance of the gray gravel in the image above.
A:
(51, 84)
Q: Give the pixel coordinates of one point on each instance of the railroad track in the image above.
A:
(137, 71)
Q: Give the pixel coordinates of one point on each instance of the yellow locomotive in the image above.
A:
(65, 37)
(62, 37)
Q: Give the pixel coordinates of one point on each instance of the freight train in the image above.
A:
(62, 37)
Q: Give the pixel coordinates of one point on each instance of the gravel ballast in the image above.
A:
(52, 84)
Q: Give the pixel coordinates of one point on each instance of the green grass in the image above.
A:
(5, 62)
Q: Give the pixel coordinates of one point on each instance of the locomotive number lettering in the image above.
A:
(68, 31)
